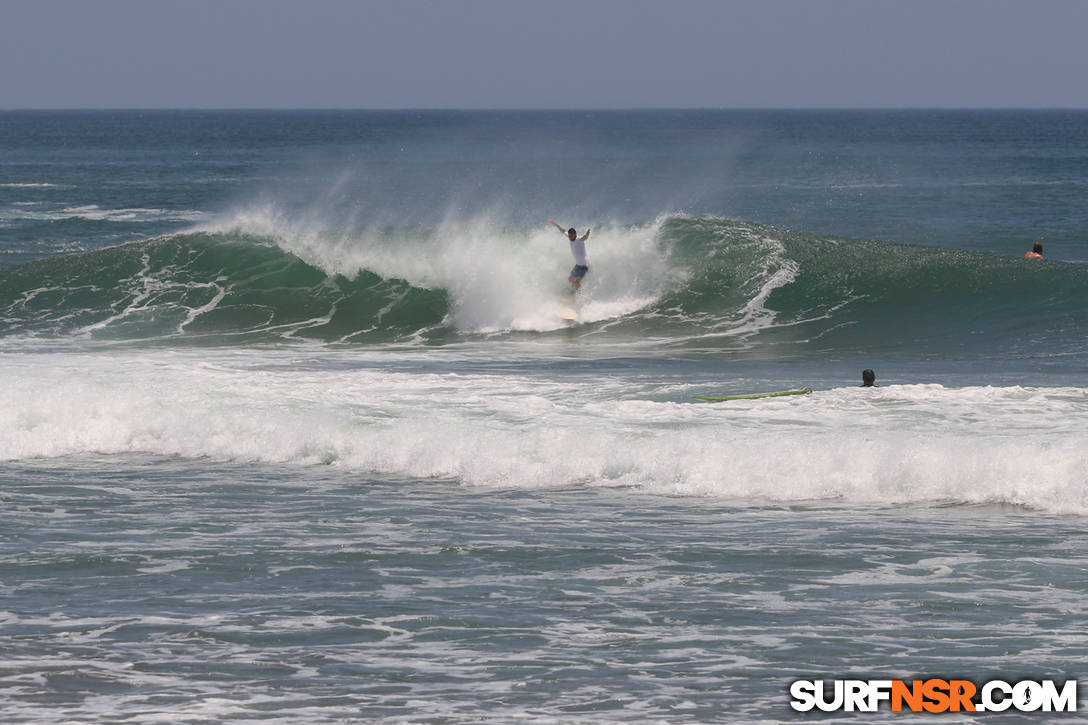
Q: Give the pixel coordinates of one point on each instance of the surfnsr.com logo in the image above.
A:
(933, 695)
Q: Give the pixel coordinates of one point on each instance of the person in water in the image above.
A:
(1036, 251)
(868, 379)
(578, 249)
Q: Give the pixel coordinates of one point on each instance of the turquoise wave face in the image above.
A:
(864, 296)
(679, 283)
(212, 287)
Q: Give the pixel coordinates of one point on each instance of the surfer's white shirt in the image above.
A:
(578, 249)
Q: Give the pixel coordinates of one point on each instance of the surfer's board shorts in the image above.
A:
(579, 271)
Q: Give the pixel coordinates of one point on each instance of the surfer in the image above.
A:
(868, 379)
(1036, 251)
(578, 249)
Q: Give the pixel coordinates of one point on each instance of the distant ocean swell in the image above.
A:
(679, 281)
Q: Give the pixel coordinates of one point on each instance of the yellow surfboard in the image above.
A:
(754, 396)
(567, 313)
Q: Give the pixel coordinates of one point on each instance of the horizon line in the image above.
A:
(483, 109)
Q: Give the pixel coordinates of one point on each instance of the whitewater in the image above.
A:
(293, 430)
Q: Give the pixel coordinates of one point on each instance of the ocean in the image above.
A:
(293, 431)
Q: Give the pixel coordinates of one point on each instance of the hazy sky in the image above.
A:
(543, 53)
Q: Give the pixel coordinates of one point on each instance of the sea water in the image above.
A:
(292, 430)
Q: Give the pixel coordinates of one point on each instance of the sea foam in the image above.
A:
(499, 277)
(909, 443)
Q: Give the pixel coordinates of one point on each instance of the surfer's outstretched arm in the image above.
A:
(555, 224)
(586, 235)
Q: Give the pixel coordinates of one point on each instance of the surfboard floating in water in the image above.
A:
(753, 396)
